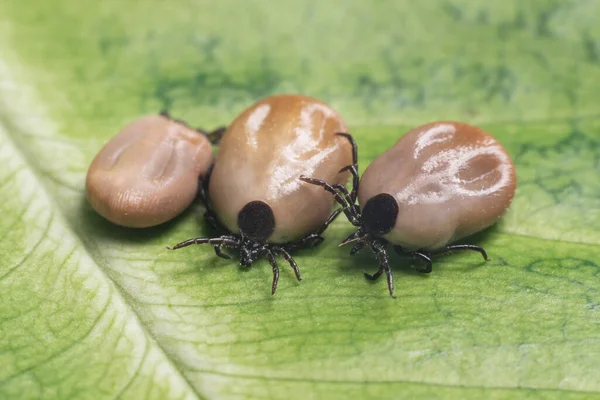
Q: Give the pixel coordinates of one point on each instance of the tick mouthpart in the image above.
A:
(358, 236)
(352, 240)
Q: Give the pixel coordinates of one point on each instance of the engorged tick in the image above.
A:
(253, 192)
(439, 183)
(148, 173)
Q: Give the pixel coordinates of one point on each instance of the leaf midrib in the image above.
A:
(13, 131)
(389, 381)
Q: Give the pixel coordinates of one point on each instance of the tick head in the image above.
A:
(256, 221)
(379, 215)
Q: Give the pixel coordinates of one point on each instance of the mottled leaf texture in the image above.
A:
(92, 311)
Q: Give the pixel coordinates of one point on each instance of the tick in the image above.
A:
(149, 172)
(439, 183)
(253, 192)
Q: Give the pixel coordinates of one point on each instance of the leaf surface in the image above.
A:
(90, 310)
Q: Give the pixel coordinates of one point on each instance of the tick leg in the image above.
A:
(219, 252)
(354, 237)
(357, 247)
(223, 240)
(344, 191)
(314, 238)
(213, 136)
(353, 144)
(355, 179)
(203, 190)
(209, 215)
(331, 218)
(380, 250)
(384, 260)
(374, 276)
(347, 208)
(203, 183)
(352, 168)
(211, 219)
(460, 247)
(400, 250)
(273, 263)
(425, 258)
(311, 240)
(328, 187)
(290, 260)
(349, 197)
(165, 113)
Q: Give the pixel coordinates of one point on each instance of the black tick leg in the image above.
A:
(213, 136)
(219, 252)
(289, 259)
(380, 251)
(426, 259)
(461, 247)
(269, 255)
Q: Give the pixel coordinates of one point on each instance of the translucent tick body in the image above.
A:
(254, 191)
(439, 183)
(148, 173)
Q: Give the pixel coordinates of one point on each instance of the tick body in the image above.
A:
(148, 173)
(254, 192)
(439, 183)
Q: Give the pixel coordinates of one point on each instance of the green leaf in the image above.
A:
(91, 311)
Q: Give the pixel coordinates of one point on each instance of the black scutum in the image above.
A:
(380, 213)
(257, 221)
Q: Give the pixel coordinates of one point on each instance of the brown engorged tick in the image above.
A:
(148, 173)
(254, 191)
(439, 183)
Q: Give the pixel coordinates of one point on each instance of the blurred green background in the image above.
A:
(92, 311)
